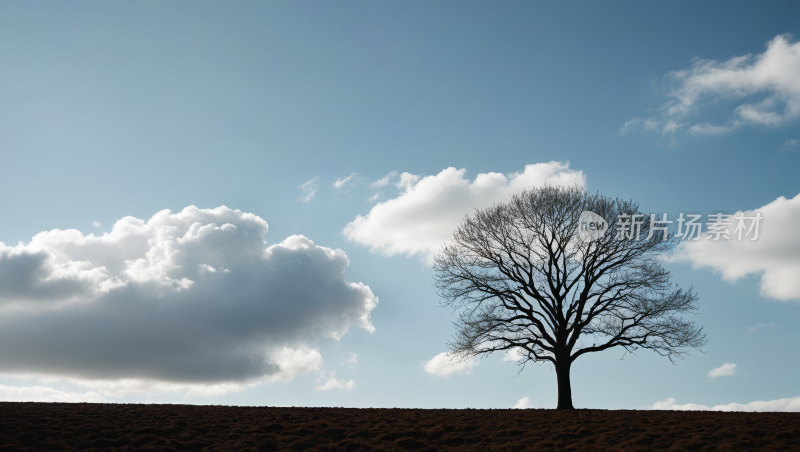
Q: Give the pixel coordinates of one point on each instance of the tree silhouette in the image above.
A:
(526, 276)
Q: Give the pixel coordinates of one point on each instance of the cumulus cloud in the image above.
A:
(424, 215)
(97, 224)
(341, 182)
(309, 189)
(194, 298)
(724, 370)
(775, 255)
(522, 403)
(768, 84)
(441, 366)
(792, 404)
(386, 180)
(45, 394)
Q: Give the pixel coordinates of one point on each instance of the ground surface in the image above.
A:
(91, 426)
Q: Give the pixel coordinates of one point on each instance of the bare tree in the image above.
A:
(526, 277)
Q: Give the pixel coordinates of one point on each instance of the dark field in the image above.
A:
(91, 426)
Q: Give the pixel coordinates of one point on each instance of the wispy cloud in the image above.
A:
(341, 182)
(385, 180)
(628, 126)
(768, 85)
(750, 329)
(309, 189)
(375, 197)
(789, 145)
(353, 359)
(707, 129)
(96, 224)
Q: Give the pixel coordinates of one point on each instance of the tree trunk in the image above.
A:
(564, 387)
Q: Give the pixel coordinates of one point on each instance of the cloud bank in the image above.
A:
(792, 404)
(424, 215)
(768, 84)
(775, 255)
(195, 297)
(45, 394)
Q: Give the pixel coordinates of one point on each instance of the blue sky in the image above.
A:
(113, 110)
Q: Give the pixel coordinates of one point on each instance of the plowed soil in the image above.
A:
(97, 427)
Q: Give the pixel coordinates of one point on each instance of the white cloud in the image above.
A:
(792, 405)
(767, 83)
(341, 182)
(193, 301)
(45, 394)
(374, 197)
(775, 254)
(789, 145)
(385, 180)
(423, 217)
(750, 329)
(724, 370)
(309, 189)
(441, 366)
(333, 383)
(97, 224)
(522, 403)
